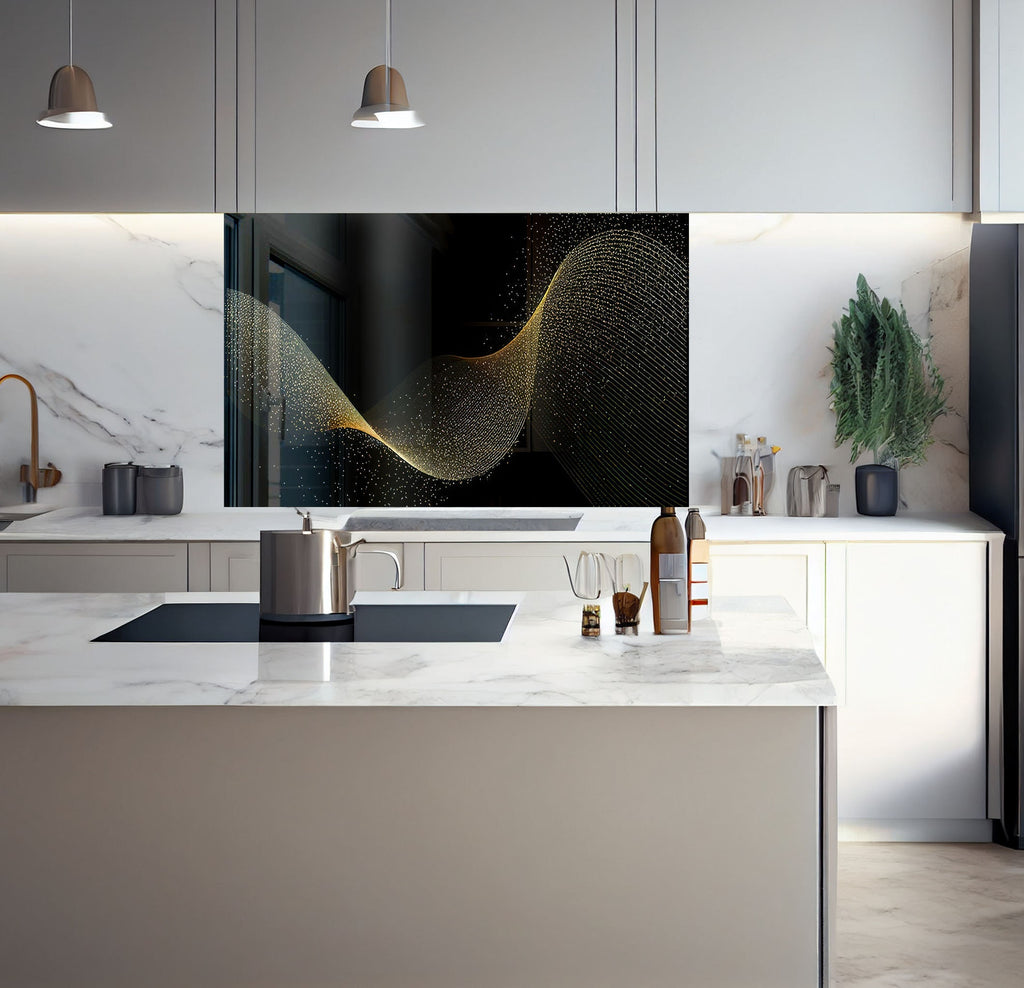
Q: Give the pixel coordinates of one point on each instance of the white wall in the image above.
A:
(764, 292)
(118, 322)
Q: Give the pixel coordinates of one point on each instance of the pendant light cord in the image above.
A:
(71, 32)
(387, 53)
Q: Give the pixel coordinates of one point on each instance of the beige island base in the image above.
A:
(247, 830)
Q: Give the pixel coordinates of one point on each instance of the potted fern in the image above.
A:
(886, 393)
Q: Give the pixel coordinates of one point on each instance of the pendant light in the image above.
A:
(385, 103)
(72, 104)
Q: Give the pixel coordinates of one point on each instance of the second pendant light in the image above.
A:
(385, 102)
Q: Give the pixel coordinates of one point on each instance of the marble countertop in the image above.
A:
(595, 525)
(753, 652)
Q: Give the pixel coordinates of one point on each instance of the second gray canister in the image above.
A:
(160, 490)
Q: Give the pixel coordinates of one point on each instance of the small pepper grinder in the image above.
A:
(698, 561)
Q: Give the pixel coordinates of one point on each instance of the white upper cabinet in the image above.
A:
(1000, 106)
(518, 101)
(153, 69)
(804, 106)
(536, 105)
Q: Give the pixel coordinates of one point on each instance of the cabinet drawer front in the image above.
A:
(513, 565)
(98, 569)
(235, 566)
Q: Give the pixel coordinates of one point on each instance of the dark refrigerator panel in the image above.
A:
(1008, 828)
(995, 406)
(996, 436)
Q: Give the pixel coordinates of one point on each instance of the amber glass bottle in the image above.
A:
(668, 573)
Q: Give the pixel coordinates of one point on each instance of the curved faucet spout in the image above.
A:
(30, 477)
(32, 485)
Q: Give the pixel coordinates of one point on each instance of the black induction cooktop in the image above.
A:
(233, 622)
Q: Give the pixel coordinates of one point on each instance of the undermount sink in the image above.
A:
(18, 512)
(439, 520)
(240, 622)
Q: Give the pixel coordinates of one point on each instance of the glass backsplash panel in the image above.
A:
(458, 359)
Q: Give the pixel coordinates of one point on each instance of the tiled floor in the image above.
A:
(941, 915)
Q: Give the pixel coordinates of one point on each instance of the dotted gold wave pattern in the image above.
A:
(601, 362)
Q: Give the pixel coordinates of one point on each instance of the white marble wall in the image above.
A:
(118, 322)
(764, 292)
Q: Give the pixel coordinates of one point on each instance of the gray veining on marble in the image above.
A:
(744, 657)
(943, 915)
(937, 306)
(118, 322)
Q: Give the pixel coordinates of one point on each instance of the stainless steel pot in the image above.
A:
(306, 573)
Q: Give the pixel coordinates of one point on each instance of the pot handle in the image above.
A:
(340, 547)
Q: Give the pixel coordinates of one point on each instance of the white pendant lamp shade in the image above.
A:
(72, 103)
(384, 104)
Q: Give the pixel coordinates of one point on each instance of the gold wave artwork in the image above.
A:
(601, 362)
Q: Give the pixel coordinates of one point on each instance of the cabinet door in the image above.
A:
(911, 744)
(153, 69)
(101, 567)
(518, 101)
(235, 566)
(1001, 104)
(807, 106)
(794, 571)
(513, 565)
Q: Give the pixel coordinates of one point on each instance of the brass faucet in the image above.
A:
(30, 477)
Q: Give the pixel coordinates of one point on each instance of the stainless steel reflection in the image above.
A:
(307, 573)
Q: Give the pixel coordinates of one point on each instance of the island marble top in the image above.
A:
(751, 652)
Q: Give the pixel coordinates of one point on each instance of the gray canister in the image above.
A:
(160, 490)
(119, 488)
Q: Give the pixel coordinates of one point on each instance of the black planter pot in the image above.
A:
(878, 489)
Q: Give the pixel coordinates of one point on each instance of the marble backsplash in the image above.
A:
(118, 322)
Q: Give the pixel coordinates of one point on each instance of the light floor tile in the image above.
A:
(942, 915)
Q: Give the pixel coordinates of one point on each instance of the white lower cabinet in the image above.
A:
(912, 748)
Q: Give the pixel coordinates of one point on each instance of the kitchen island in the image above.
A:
(545, 810)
